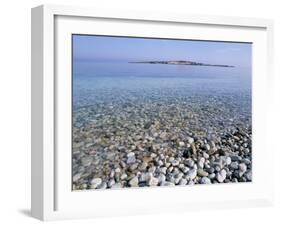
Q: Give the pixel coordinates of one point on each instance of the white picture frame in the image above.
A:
(52, 197)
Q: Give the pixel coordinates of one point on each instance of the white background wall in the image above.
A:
(15, 111)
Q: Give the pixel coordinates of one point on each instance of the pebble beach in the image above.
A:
(148, 137)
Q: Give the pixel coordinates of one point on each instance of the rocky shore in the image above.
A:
(142, 142)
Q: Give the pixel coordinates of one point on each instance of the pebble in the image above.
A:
(84, 186)
(76, 177)
(221, 176)
(163, 170)
(176, 170)
(249, 176)
(103, 185)
(117, 170)
(194, 150)
(161, 178)
(152, 169)
(189, 162)
(242, 169)
(190, 140)
(207, 147)
(210, 170)
(227, 160)
(181, 144)
(143, 166)
(116, 185)
(160, 163)
(112, 174)
(167, 183)
(202, 173)
(205, 180)
(182, 181)
(234, 165)
(96, 182)
(87, 161)
(175, 162)
(235, 158)
(170, 169)
(144, 177)
(123, 176)
(247, 161)
(205, 155)
(111, 183)
(131, 158)
(185, 169)
(134, 182)
(191, 174)
(153, 181)
(201, 162)
(178, 177)
(134, 166)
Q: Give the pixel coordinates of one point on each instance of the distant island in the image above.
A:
(181, 62)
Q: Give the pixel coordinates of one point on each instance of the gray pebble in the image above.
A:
(143, 166)
(76, 177)
(191, 174)
(161, 178)
(242, 169)
(205, 180)
(182, 181)
(167, 183)
(190, 140)
(116, 185)
(131, 158)
(201, 162)
(111, 183)
(103, 185)
(96, 182)
(134, 182)
(153, 181)
(234, 165)
(189, 162)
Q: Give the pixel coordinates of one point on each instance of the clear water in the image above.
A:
(104, 82)
(117, 105)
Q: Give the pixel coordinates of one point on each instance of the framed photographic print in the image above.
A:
(143, 113)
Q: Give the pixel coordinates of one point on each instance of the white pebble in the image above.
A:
(96, 182)
(221, 175)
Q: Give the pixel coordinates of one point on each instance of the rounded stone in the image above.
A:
(221, 176)
(153, 181)
(202, 173)
(242, 169)
(205, 180)
(96, 182)
(191, 174)
(131, 158)
(134, 182)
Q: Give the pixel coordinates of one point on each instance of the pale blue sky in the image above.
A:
(105, 48)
